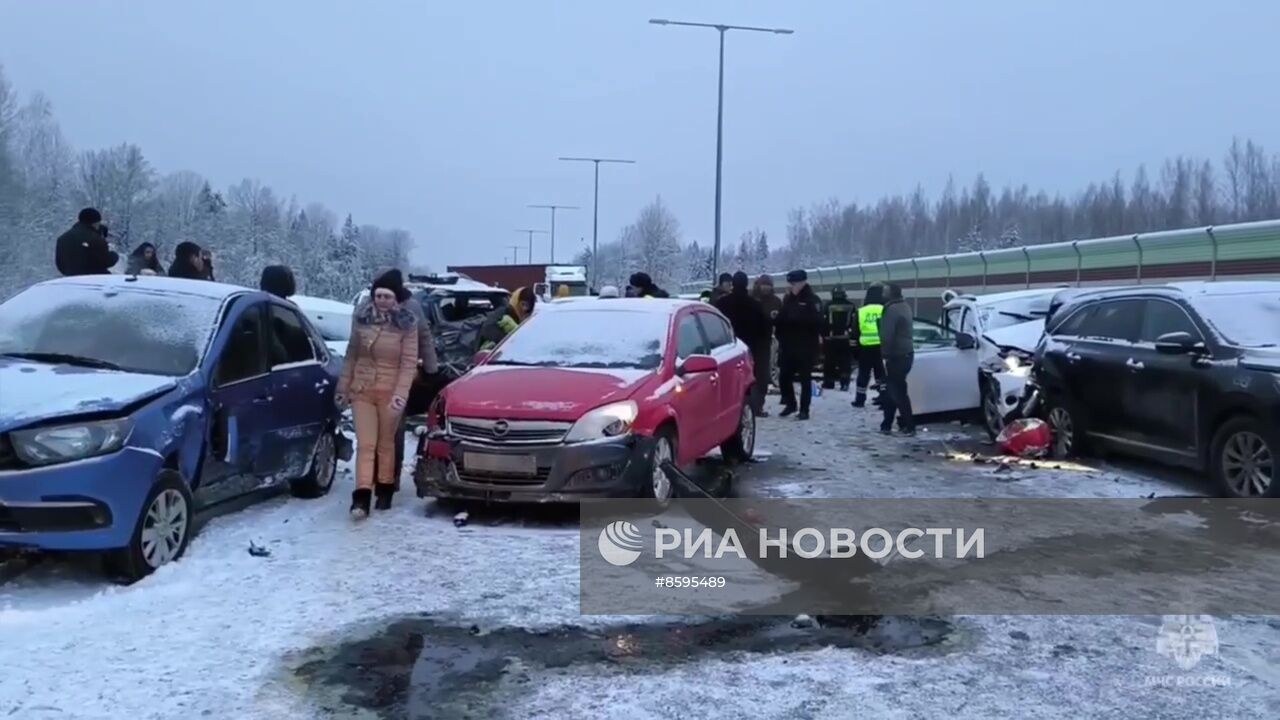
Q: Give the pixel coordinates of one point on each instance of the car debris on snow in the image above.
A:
(258, 550)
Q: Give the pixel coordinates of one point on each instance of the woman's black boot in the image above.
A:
(360, 503)
(383, 492)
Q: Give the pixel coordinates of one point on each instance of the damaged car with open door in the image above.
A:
(588, 399)
(962, 363)
(977, 361)
(129, 404)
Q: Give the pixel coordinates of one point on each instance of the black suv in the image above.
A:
(1187, 373)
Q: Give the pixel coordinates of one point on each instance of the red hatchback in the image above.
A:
(587, 399)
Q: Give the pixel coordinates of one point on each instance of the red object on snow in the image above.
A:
(1028, 437)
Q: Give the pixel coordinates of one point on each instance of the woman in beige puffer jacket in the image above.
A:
(381, 361)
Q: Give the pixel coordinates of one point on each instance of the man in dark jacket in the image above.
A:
(724, 286)
(752, 327)
(644, 286)
(187, 262)
(897, 346)
(83, 250)
(837, 343)
(799, 327)
(762, 291)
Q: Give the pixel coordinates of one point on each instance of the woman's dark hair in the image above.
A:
(182, 266)
(186, 250)
(279, 281)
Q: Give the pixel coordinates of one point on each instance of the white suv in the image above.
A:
(973, 358)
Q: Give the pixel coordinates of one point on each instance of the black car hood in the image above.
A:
(1265, 359)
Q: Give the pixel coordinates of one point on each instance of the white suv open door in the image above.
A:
(944, 377)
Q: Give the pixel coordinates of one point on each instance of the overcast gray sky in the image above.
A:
(446, 118)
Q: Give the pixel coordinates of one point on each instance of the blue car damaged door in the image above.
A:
(243, 446)
(302, 387)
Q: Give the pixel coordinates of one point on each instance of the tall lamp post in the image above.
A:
(553, 209)
(531, 234)
(722, 29)
(515, 254)
(595, 211)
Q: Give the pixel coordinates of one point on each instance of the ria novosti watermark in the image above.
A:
(620, 543)
(923, 556)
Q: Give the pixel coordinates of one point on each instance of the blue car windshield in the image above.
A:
(130, 330)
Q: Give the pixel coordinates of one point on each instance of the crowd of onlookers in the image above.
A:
(84, 250)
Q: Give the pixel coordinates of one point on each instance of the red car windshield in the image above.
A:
(587, 338)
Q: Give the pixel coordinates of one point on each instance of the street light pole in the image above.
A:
(553, 209)
(595, 213)
(531, 232)
(515, 254)
(722, 29)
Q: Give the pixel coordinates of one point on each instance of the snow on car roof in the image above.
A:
(1226, 287)
(659, 306)
(179, 286)
(308, 303)
(1201, 288)
(1000, 297)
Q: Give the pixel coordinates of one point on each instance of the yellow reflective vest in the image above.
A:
(869, 324)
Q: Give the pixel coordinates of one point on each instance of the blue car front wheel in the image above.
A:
(162, 532)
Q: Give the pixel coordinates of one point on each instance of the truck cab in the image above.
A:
(574, 277)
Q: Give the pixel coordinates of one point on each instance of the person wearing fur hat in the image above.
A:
(83, 250)
(799, 328)
(724, 286)
(643, 286)
(377, 374)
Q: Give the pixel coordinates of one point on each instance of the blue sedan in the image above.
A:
(128, 404)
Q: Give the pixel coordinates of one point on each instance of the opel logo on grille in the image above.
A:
(500, 428)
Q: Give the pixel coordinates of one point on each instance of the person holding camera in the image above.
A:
(83, 250)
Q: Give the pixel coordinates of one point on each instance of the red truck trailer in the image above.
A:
(507, 277)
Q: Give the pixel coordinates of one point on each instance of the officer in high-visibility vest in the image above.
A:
(869, 361)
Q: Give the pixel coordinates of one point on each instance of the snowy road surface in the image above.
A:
(223, 634)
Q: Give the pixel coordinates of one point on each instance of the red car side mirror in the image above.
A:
(697, 364)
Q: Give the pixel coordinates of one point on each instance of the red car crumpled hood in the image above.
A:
(538, 393)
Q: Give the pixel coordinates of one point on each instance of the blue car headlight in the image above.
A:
(64, 443)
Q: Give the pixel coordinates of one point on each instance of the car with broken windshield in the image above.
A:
(1187, 374)
(975, 358)
(589, 399)
(129, 404)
